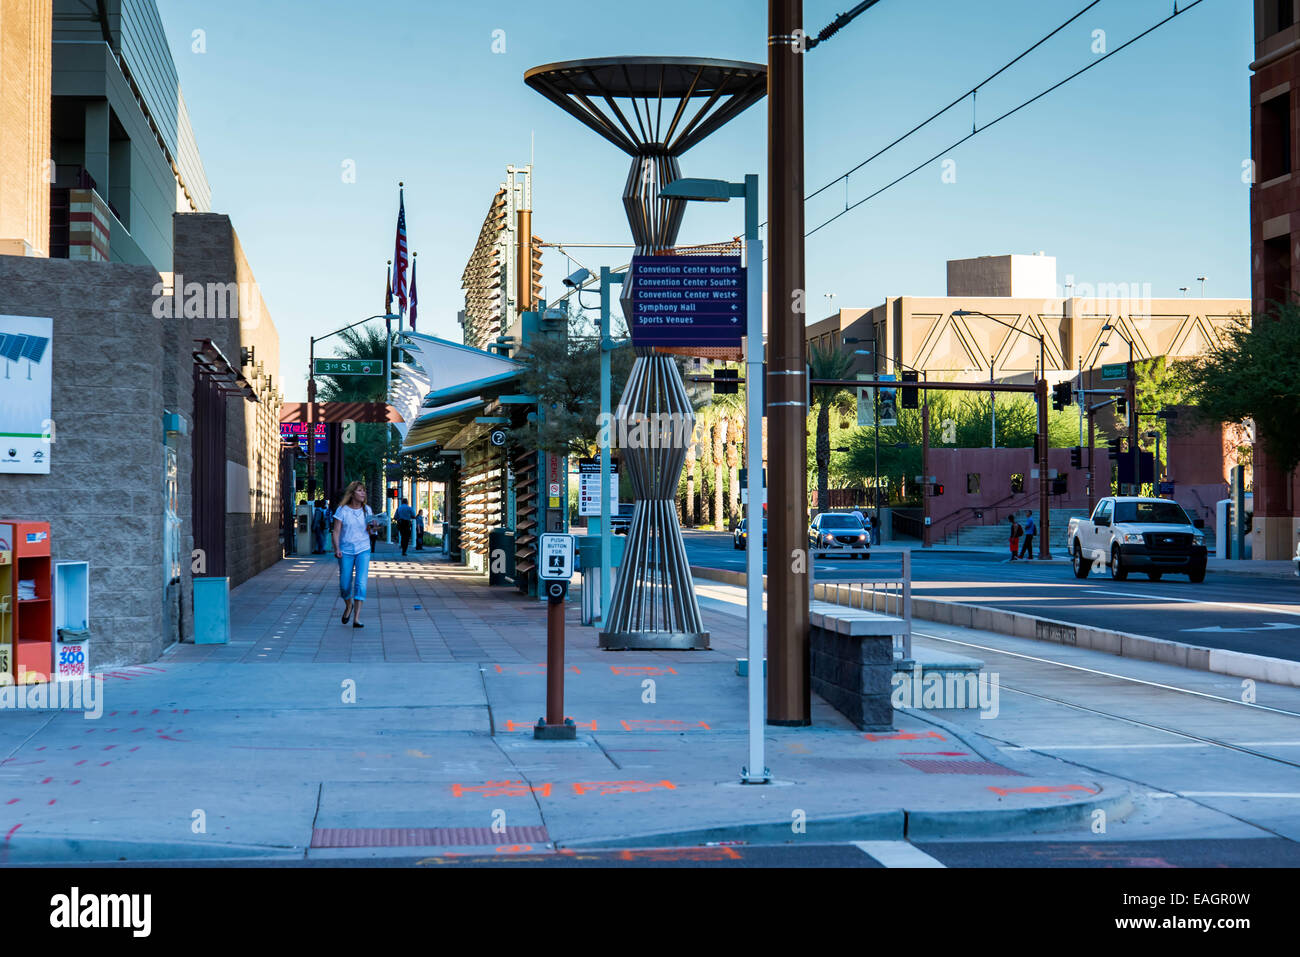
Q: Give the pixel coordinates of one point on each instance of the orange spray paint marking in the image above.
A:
(1041, 789)
(682, 854)
(502, 789)
(904, 736)
(641, 670)
(660, 724)
(621, 787)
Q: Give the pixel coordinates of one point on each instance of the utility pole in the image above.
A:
(1092, 459)
(1044, 510)
(789, 690)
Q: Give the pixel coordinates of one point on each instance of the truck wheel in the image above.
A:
(1196, 575)
(1081, 565)
(1117, 570)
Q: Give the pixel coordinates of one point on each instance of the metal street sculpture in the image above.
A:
(654, 109)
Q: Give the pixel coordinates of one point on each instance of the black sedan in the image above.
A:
(740, 535)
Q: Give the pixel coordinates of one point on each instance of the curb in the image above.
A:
(39, 849)
(1234, 664)
(891, 825)
(876, 825)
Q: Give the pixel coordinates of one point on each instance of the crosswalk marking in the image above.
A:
(897, 854)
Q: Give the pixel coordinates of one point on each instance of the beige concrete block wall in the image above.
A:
(25, 59)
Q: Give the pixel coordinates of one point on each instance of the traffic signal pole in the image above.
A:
(926, 488)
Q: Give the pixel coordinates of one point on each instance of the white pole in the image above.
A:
(606, 510)
(756, 772)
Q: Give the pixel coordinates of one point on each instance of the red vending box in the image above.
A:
(31, 601)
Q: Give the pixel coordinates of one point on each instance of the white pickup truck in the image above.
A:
(1152, 535)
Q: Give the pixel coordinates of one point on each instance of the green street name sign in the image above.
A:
(1113, 370)
(348, 367)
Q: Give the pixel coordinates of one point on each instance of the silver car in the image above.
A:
(839, 533)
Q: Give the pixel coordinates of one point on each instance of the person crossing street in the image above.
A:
(1027, 550)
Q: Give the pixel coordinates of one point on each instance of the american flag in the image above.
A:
(399, 255)
(413, 264)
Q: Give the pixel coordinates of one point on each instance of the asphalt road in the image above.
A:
(1241, 613)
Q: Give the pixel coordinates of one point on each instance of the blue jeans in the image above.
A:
(361, 562)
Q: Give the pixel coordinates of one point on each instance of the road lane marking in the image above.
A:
(1136, 747)
(1238, 606)
(1289, 795)
(897, 854)
(1107, 674)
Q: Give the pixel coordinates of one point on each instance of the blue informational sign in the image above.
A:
(687, 301)
(1166, 489)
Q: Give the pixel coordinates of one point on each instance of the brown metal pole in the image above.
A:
(555, 663)
(1044, 504)
(789, 694)
(524, 274)
(926, 488)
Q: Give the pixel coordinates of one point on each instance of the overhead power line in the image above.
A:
(972, 92)
(976, 130)
(839, 23)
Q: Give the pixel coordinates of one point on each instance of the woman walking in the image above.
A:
(352, 548)
(1015, 536)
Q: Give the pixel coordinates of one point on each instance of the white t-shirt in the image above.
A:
(354, 537)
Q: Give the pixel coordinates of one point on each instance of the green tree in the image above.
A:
(827, 364)
(1253, 373)
(371, 441)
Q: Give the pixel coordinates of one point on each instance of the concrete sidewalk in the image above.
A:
(414, 733)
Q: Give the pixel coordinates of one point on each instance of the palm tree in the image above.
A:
(373, 440)
(827, 364)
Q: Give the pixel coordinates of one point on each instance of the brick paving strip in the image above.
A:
(420, 608)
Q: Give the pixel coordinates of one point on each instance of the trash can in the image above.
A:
(589, 566)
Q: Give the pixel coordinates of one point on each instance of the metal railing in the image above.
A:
(885, 595)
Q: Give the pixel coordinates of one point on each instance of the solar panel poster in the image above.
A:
(26, 392)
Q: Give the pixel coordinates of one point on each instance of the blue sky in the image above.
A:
(1131, 173)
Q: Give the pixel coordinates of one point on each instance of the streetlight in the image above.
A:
(1201, 280)
(720, 191)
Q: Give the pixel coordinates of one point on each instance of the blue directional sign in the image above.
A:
(687, 301)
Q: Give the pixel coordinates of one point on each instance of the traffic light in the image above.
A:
(1060, 485)
(726, 388)
(1114, 445)
(1121, 406)
(1062, 395)
(1076, 457)
(911, 397)
(938, 488)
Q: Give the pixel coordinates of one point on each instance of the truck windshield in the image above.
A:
(1151, 513)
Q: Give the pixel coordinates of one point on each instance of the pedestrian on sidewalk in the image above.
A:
(1016, 531)
(404, 517)
(352, 520)
(1027, 550)
(319, 527)
(419, 530)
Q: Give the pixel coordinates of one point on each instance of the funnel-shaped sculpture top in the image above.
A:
(646, 105)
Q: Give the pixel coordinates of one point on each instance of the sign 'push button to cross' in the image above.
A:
(555, 568)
